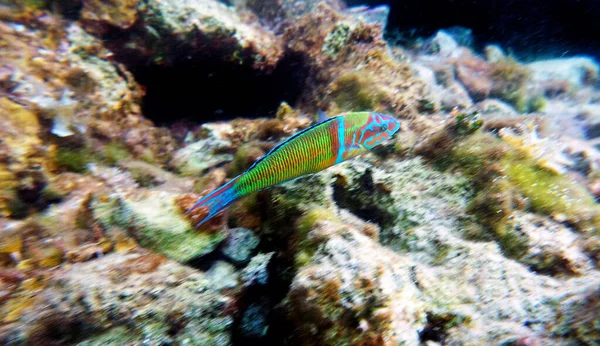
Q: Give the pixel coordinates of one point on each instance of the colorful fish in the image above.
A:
(322, 145)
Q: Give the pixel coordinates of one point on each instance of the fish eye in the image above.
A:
(384, 127)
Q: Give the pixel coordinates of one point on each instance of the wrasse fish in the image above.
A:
(322, 145)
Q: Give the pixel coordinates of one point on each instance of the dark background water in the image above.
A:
(530, 29)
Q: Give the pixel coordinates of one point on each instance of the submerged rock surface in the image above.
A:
(477, 224)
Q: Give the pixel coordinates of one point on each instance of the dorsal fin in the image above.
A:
(278, 146)
(322, 116)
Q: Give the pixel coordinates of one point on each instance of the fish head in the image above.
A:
(380, 128)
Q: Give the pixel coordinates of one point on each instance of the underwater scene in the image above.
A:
(299, 172)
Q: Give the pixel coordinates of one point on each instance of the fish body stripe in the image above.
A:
(308, 152)
(341, 130)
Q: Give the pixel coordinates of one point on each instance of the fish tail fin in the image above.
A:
(217, 201)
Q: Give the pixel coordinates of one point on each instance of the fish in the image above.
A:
(327, 143)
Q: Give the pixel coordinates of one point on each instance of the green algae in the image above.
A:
(74, 160)
(547, 192)
(357, 91)
(308, 221)
(506, 180)
(467, 124)
(305, 224)
(537, 103)
(509, 81)
(112, 337)
(114, 152)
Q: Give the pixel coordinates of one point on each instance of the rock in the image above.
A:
(455, 96)
(155, 221)
(106, 14)
(496, 107)
(591, 115)
(256, 272)
(353, 291)
(400, 196)
(458, 290)
(171, 31)
(579, 315)
(578, 71)
(223, 275)
(474, 74)
(339, 44)
(159, 301)
(275, 12)
(22, 157)
(372, 15)
(254, 322)
(445, 92)
(443, 44)
(494, 53)
(240, 245)
(75, 91)
(463, 36)
(553, 247)
(195, 158)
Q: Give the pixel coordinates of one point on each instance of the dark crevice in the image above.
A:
(206, 88)
(364, 200)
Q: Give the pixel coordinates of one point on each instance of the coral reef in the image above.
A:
(477, 224)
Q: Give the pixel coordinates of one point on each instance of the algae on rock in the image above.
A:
(155, 221)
